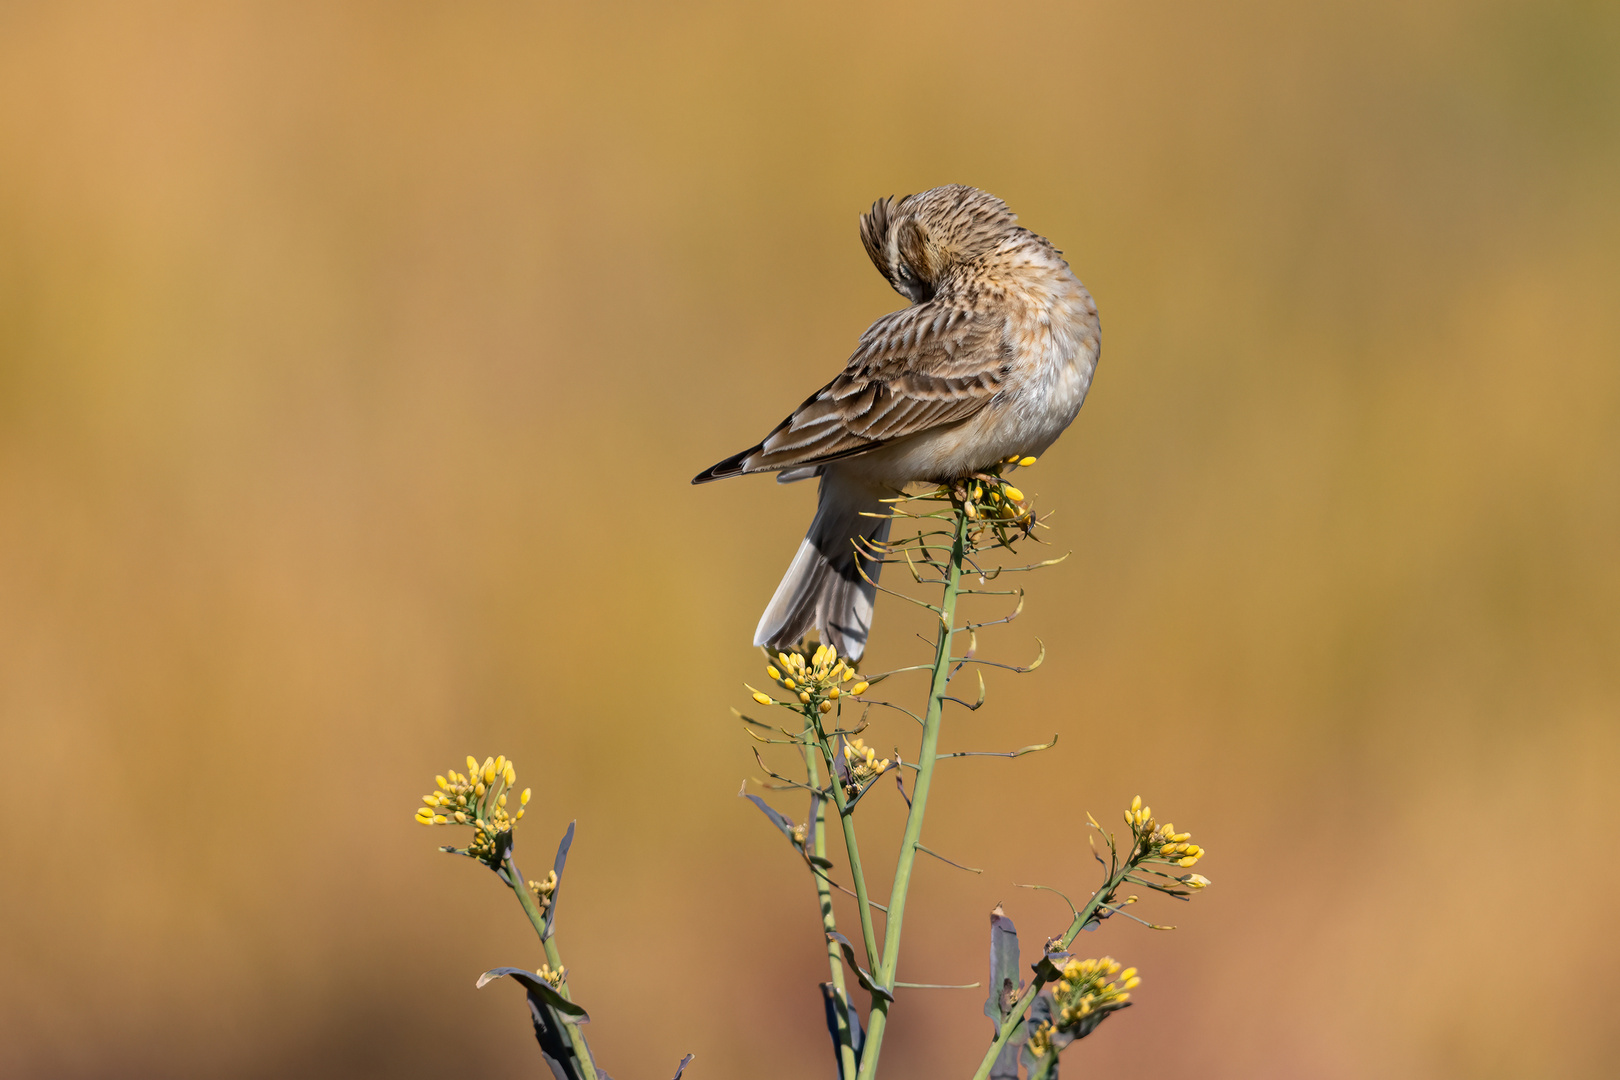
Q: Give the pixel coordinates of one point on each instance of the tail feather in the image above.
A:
(823, 587)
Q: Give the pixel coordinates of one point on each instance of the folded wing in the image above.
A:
(916, 369)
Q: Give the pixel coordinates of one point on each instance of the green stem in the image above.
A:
(1015, 1018)
(884, 972)
(852, 848)
(829, 925)
(538, 920)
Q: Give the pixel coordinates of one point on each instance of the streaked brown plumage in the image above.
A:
(992, 358)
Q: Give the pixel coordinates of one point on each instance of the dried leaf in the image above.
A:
(861, 975)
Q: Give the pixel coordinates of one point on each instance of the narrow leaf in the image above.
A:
(571, 1011)
(781, 821)
(1004, 988)
(829, 1001)
(685, 1061)
(861, 976)
(549, 1011)
(557, 867)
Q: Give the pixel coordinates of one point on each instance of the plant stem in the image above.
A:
(852, 848)
(829, 925)
(1015, 1018)
(538, 920)
(884, 971)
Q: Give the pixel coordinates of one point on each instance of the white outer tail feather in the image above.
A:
(822, 588)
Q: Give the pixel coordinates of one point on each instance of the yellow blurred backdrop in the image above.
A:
(354, 359)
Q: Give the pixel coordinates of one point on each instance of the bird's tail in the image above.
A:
(823, 588)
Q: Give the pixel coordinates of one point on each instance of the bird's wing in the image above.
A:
(915, 369)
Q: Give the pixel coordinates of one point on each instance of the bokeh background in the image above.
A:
(354, 359)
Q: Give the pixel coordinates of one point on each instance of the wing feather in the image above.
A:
(916, 369)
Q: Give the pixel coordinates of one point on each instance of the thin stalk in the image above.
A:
(926, 756)
(829, 925)
(1015, 1018)
(553, 958)
(852, 848)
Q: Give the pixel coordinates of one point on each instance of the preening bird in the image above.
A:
(992, 359)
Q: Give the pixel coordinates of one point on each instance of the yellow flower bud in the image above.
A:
(1014, 494)
(849, 673)
(972, 515)
(500, 763)
(804, 696)
(1027, 462)
(461, 817)
(833, 693)
(440, 819)
(1188, 861)
(859, 688)
(523, 799)
(789, 683)
(781, 658)
(510, 775)
(501, 802)
(472, 764)
(518, 816)
(1128, 974)
(770, 669)
(1168, 829)
(1136, 804)
(763, 699)
(826, 706)
(441, 782)
(489, 774)
(479, 790)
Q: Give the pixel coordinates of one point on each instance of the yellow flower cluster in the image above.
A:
(543, 889)
(818, 680)
(1040, 1040)
(863, 763)
(1088, 988)
(1163, 842)
(996, 500)
(476, 798)
(555, 978)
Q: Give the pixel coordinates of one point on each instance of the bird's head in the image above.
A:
(915, 242)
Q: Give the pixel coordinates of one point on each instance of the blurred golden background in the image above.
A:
(354, 359)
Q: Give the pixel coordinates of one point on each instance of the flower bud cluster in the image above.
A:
(818, 681)
(995, 500)
(863, 764)
(1157, 841)
(554, 977)
(478, 798)
(543, 889)
(1089, 988)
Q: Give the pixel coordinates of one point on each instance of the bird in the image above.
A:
(991, 358)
